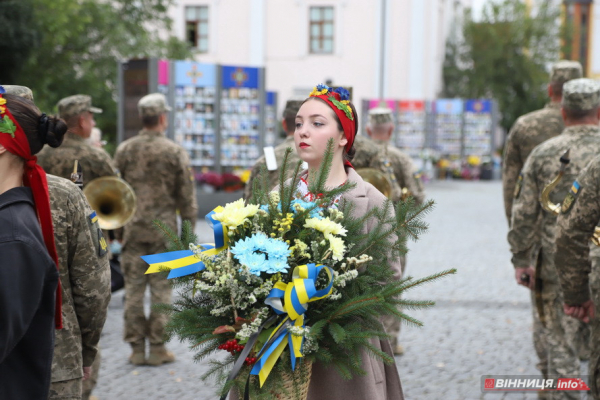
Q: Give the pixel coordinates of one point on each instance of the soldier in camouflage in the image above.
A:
(534, 128)
(380, 129)
(577, 260)
(527, 132)
(581, 98)
(85, 281)
(289, 126)
(78, 113)
(159, 172)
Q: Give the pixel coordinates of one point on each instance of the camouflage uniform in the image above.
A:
(273, 176)
(85, 280)
(291, 109)
(529, 220)
(577, 260)
(532, 129)
(527, 132)
(159, 172)
(95, 162)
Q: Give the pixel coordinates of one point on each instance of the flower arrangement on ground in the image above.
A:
(289, 280)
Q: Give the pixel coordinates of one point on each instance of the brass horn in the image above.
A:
(555, 208)
(376, 178)
(113, 200)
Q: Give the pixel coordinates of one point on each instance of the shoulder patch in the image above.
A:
(518, 186)
(99, 241)
(569, 200)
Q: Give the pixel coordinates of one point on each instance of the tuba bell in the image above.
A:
(113, 200)
(376, 178)
(555, 208)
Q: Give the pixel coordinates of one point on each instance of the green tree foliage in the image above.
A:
(80, 43)
(18, 38)
(504, 56)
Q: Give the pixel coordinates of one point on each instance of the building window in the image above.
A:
(196, 27)
(321, 30)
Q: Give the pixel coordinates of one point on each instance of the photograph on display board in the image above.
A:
(448, 126)
(195, 86)
(240, 113)
(411, 126)
(478, 127)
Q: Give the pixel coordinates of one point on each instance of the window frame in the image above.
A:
(321, 37)
(198, 37)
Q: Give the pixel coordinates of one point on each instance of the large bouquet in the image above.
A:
(290, 280)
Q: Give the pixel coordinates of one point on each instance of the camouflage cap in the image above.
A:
(565, 70)
(291, 108)
(21, 91)
(74, 105)
(153, 104)
(380, 116)
(581, 94)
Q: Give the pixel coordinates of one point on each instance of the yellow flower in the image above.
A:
(337, 247)
(2, 101)
(235, 214)
(326, 226)
(2, 109)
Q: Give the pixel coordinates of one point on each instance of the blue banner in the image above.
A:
(190, 73)
(271, 98)
(236, 77)
(449, 106)
(478, 106)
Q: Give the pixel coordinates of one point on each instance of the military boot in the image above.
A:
(138, 354)
(159, 355)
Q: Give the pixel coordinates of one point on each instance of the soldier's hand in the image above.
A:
(525, 277)
(87, 372)
(584, 312)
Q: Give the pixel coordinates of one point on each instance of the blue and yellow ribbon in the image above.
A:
(292, 300)
(184, 262)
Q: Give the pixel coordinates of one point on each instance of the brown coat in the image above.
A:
(382, 382)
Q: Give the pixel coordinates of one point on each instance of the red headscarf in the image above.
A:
(339, 101)
(13, 139)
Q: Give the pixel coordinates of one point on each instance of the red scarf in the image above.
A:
(13, 138)
(349, 125)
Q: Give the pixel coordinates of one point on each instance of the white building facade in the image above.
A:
(381, 48)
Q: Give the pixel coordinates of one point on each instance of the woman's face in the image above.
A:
(315, 125)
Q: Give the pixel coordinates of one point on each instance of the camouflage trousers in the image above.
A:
(391, 324)
(563, 335)
(90, 383)
(137, 326)
(594, 364)
(66, 390)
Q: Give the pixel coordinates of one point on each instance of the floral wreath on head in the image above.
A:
(339, 101)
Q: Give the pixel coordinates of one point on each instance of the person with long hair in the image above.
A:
(30, 295)
(328, 115)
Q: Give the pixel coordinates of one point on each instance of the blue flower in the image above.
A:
(242, 246)
(320, 87)
(255, 262)
(344, 94)
(277, 249)
(259, 240)
(277, 265)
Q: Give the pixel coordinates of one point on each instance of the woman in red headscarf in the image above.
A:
(328, 114)
(29, 292)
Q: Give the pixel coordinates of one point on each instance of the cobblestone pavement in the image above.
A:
(481, 324)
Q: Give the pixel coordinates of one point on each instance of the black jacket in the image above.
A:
(28, 280)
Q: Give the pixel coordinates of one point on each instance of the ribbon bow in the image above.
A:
(185, 262)
(296, 295)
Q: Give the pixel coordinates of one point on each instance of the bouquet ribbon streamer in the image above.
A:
(184, 262)
(290, 299)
